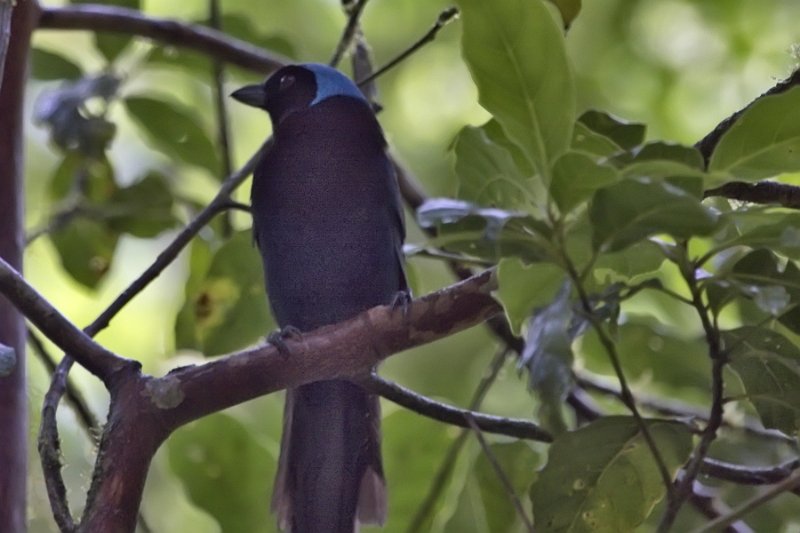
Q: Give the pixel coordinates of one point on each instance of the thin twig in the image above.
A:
(350, 29)
(512, 427)
(786, 485)
(625, 392)
(449, 462)
(709, 505)
(444, 18)
(683, 487)
(509, 488)
(84, 413)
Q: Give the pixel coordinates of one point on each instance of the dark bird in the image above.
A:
(328, 223)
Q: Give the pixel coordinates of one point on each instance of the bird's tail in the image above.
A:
(330, 471)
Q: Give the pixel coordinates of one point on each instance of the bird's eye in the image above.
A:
(286, 81)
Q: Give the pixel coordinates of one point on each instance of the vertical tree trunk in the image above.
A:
(13, 397)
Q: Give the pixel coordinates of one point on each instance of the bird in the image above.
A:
(329, 226)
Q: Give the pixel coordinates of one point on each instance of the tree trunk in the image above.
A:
(13, 397)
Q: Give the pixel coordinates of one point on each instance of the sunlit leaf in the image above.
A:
(227, 308)
(634, 209)
(769, 366)
(516, 54)
(764, 141)
(603, 477)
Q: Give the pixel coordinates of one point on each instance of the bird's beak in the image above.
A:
(251, 95)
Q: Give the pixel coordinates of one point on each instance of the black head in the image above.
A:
(296, 88)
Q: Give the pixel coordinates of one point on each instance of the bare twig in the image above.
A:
(790, 483)
(521, 429)
(449, 462)
(201, 39)
(509, 488)
(73, 394)
(444, 18)
(683, 488)
(354, 11)
(705, 500)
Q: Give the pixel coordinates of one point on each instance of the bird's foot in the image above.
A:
(278, 338)
(402, 301)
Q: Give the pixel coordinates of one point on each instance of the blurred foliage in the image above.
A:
(557, 156)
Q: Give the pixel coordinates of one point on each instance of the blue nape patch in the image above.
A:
(331, 82)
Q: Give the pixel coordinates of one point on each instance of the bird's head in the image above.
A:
(296, 88)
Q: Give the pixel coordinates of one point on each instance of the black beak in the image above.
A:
(251, 95)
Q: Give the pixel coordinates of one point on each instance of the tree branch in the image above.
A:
(354, 11)
(201, 39)
(765, 192)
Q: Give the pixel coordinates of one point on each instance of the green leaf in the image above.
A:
(603, 477)
(569, 9)
(86, 249)
(226, 308)
(576, 176)
(630, 264)
(769, 366)
(587, 141)
(782, 236)
(631, 210)
(764, 141)
(626, 135)
(487, 172)
(86, 177)
(516, 54)
(523, 288)
(654, 354)
(401, 443)
(518, 462)
(176, 130)
(217, 457)
(143, 209)
(48, 66)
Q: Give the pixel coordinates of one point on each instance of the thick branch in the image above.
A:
(199, 38)
(359, 344)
